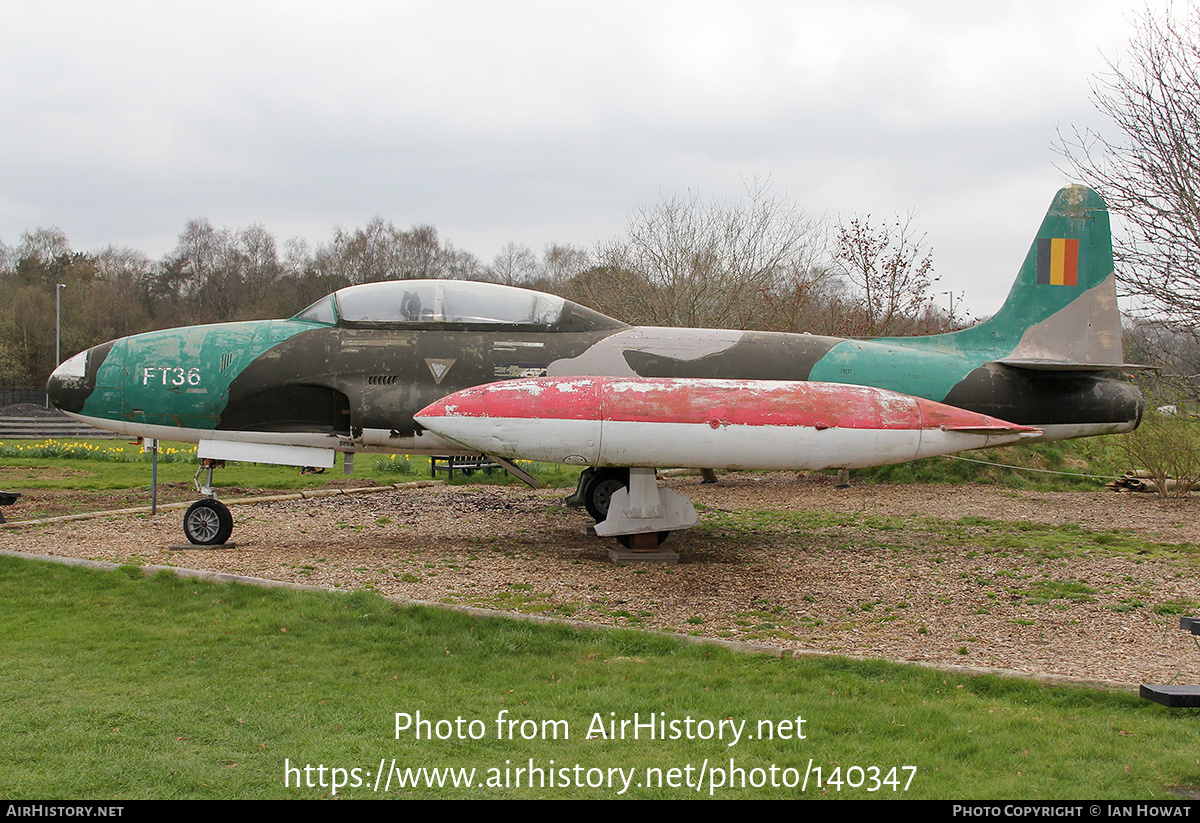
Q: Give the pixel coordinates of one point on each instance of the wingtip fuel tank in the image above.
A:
(724, 424)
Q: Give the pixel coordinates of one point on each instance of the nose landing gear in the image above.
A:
(207, 522)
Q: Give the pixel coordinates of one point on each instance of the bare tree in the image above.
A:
(363, 255)
(693, 262)
(204, 272)
(116, 302)
(561, 265)
(43, 245)
(561, 262)
(893, 270)
(514, 265)
(381, 251)
(812, 300)
(1149, 168)
(259, 262)
(421, 254)
(197, 254)
(460, 264)
(8, 259)
(297, 257)
(612, 290)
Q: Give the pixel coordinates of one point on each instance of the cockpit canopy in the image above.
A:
(459, 303)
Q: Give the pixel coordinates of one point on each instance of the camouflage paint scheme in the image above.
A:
(1051, 358)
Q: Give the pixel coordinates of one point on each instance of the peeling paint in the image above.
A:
(709, 423)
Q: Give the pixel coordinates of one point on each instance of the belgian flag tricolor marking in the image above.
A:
(1057, 261)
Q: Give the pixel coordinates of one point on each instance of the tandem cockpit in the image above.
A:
(451, 303)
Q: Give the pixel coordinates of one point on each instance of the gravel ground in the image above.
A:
(879, 571)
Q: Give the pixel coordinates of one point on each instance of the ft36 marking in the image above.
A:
(171, 375)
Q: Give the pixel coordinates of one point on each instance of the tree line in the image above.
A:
(758, 262)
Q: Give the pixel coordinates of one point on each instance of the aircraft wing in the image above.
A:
(702, 423)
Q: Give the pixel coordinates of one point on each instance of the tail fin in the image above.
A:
(1062, 310)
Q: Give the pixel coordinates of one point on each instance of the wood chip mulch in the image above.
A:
(916, 573)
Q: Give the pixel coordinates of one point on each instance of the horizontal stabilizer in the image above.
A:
(1036, 364)
(1025, 431)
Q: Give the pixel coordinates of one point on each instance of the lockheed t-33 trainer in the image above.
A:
(439, 367)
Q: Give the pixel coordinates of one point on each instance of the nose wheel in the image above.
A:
(208, 522)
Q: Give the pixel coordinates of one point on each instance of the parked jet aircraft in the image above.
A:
(415, 367)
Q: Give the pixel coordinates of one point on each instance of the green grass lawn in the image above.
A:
(118, 464)
(116, 686)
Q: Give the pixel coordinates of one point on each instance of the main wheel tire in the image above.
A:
(603, 484)
(208, 523)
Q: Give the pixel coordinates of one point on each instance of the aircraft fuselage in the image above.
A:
(299, 382)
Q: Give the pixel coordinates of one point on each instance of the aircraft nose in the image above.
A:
(69, 385)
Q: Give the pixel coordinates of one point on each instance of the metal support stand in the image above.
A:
(644, 508)
(152, 447)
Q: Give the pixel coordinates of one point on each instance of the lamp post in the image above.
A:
(951, 304)
(58, 287)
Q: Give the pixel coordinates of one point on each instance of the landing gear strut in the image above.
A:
(207, 522)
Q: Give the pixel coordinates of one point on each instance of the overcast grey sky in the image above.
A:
(540, 122)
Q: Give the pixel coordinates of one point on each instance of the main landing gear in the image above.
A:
(628, 505)
(596, 488)
(207, 522)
